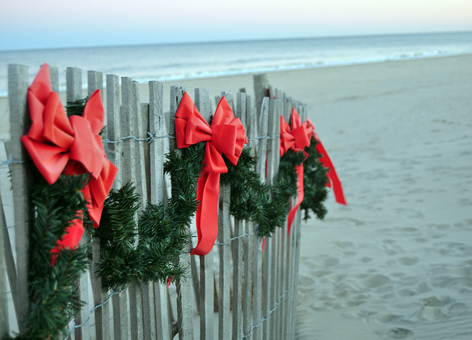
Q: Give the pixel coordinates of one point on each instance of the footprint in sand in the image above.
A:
(453, 249)
(387, 318)
(406, 292)
(397, 333)
(408, 261)
(434, 301)
(365, 259)
(376, 281)
(327, 261)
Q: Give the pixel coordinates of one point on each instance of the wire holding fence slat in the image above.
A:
(70, 330)
(270, 313)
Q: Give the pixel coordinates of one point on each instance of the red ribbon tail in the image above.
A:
(333, 178)
(208, 189)
(300, 195)
(337, 187)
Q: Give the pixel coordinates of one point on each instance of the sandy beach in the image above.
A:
(396, 262)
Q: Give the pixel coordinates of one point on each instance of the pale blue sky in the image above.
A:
(28, 24)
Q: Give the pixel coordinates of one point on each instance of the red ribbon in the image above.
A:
(58, 144)
(295, 139)
(333, 178)
(225, 136)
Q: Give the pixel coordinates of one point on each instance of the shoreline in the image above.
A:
(320, 65)
(233, 83)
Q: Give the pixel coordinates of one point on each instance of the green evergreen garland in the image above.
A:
(252, 200)
(160, 231)
(52, 289)
(314, 183)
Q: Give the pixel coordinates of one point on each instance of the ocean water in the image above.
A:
(198, 60)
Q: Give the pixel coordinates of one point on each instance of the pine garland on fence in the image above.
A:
(52, 288)
(314, 183)
(160, 231)
(148, 248)
(252, 200)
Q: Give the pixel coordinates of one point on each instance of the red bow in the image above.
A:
(333, 178)
(55, 143)
(225, 136)
(295, 139)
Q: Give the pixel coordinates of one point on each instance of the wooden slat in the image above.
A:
(9, 257)
(127, 175)
(251, 132)
(127, 128)
(4, 323)
(113, 150)
(156, 157)
(224, 249)
(74, 84)
(260, 169)
(138, 316)
(74, 92)
(283, 274)
(280, 238)
(283, 254)
(135, 310)
(277, 235)
(289, 260)
(131, 173)
(184, 287)
(102, 314)
(95, 82)
(139, 132)
(147, 288)
(286, 246)
(19, 122)
(241, 99)
(269, 254)
(288, 279)
(261, 84)
(303, 115)
(207, 327)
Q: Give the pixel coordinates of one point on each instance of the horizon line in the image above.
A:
(237, 40)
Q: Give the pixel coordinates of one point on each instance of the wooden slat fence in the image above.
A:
(246, 292)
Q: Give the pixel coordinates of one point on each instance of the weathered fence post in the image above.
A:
(260, 170)
(224, 249)
(4, 325)
(249, 230)
(102, 314)
(269, 253)
(156, 174)
(74, 92)
(184, 287)
(241, 100)
(261, 85)
(18, 83)
(120, 311)
(129, 174)
(207, 328)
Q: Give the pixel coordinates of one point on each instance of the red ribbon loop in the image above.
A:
(225, 136)
(294, 139)
(333, 178)
(57, 144)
